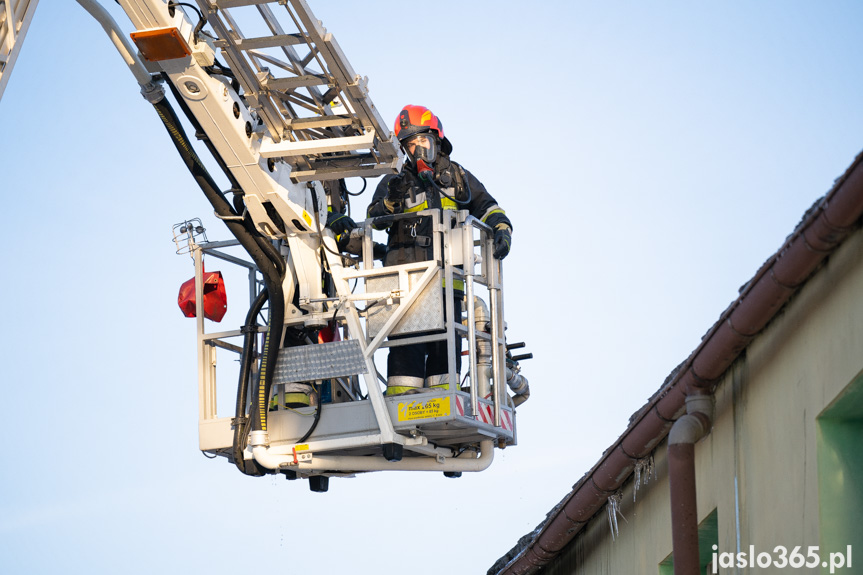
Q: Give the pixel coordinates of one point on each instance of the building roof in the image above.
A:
(822, 229)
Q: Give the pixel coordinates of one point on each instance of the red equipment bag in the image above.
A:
(215, 298)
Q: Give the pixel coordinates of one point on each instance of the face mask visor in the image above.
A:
(421, 147)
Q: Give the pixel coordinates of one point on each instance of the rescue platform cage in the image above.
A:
(359, 428)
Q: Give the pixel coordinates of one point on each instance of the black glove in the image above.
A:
(502, 240)
(394, 201)
(340, 223)
(393, 204)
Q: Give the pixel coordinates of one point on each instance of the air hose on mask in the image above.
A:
(263, 254)
(426, 174)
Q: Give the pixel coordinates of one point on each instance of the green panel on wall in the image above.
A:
(708, 536)
(840, 472)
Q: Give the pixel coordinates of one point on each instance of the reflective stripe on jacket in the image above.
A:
(410, 239)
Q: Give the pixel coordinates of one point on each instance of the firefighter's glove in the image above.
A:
(502, 240)
(393, 205)
(340, 223)
(394, 201)
(379, 251)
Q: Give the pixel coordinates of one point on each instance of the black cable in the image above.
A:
(320, 405)
(202, 20)
(220, 69)
(321, 232)
(265, 256)
(260, 252)
(198, 130)
(317, 416)
(446, 195)
(350, 193)
(241, 420)
(265, 245)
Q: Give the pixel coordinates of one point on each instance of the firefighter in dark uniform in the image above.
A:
(429, 179)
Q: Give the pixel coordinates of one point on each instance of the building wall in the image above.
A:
(759, 466)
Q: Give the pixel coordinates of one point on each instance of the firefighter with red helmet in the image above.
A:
(428, 180)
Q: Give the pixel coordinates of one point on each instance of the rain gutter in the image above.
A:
(824, 226)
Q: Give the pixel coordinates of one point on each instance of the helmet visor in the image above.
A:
(421, 147)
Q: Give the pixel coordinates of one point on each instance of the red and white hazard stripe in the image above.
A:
(486, 414)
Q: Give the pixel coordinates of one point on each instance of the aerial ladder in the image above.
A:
(287, 119)
(15, 18)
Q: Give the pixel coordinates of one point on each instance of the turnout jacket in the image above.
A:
(410, 238)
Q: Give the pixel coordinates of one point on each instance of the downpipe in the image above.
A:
(346, 463)
(684, 434)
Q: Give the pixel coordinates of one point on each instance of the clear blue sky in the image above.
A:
(651, 156)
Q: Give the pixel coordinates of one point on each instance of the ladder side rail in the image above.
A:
(354, 86)
(294, 58)
(497, 320)
(469, 258)
(269, 94)
(492, 274)
(246, 76)
(13, 31)
(487, 263)
(206, 372)
(442, 251)
(275, 98)
(208, 342)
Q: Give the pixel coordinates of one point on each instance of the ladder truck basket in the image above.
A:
(351, 426)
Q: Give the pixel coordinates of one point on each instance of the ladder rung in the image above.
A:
(319, 122)
(286, 84)
(334, 173)
(270, 41)
(270, 149)
(294, 102)
(228, 4)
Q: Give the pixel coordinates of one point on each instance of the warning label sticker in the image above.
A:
(424, 409)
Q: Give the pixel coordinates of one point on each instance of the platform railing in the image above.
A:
(462, 250)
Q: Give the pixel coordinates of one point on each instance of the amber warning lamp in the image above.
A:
(161, 44)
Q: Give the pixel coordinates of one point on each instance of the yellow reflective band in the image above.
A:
(418, 208)
(445, 203)
(493, 212)
(456, 284)
(397, 389)
(291, 398)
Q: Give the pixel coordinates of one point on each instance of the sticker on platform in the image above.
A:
(424, 409)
